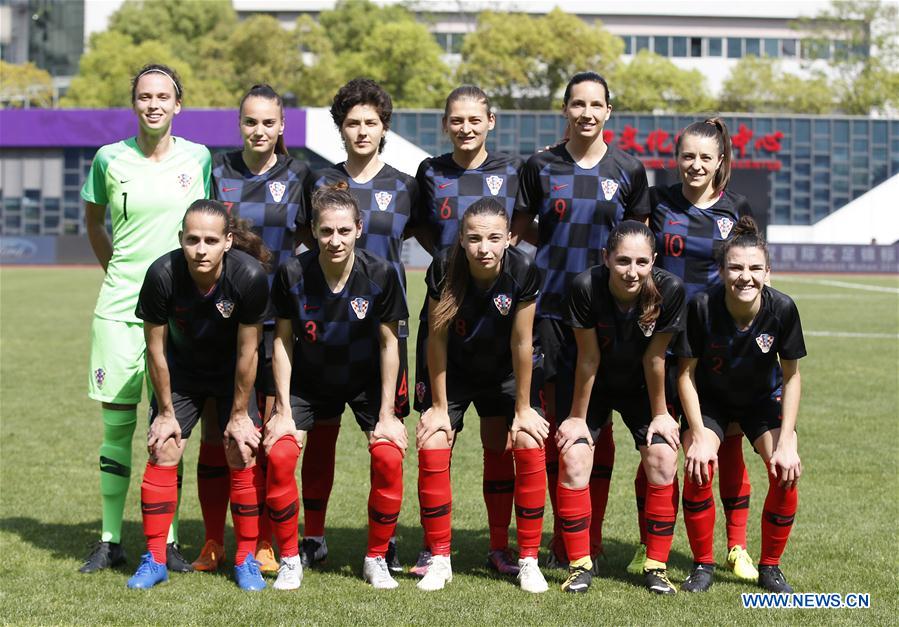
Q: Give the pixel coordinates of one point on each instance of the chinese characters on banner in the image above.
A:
(834, 258)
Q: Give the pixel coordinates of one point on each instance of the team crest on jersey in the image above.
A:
(100, 377)
(503, 303)
(765, 342)
(420, 390)
(383, 199)
(277, 189)
(360, 307)
(609, 187)
(494, 183)
(647, 328)
(225, 307)
(724, 226)
(184, 180)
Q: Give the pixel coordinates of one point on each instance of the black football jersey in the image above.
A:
(201, 349)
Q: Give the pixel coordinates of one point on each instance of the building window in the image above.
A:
(642, 43)
(815, 49)
(714, 46)
(661, 45)
(695, 46)
(788, 47)
(628, 44)
(734, 48)
(772, 47)
(753, 46)
(679, 46)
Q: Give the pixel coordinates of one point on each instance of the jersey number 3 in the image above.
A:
(311, 331)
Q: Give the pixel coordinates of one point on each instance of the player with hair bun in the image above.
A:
(579, 190)
(338, 310)
(623, 314)
(361, 110)
(203, 306)
(480, 317)
(692, 219)
(739, 362)
(264, 185)
(449, 184)
(146, 182)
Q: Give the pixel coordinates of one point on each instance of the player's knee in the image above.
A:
(386, 459)
(525, 440)
(282, 458)
(660, 462)
(437, 441)
(168, 455)
(575, 466)
(235, 460)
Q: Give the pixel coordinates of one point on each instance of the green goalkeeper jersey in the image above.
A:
(147, 200)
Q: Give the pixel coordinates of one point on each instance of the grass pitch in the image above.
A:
(844, 539)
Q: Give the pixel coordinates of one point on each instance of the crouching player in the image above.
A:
(739, 363)
(481, 303)
(203, 306)
(624, 314)
(336, 342)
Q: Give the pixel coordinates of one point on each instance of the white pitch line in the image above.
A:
(851, 286)
(881, 336)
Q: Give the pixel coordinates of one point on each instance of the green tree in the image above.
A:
(352, 22)
(865, 61)
(319, 75)
(25, 84)
(525, 62)
(651, 82)
(761, 86)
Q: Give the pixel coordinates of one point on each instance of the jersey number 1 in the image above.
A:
(125, 205)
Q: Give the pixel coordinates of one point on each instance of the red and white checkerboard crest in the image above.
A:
(277, 189)
(225, 307)
(420, 390)
(724, 226)
(647, 328)
(360, 307)
(609, 187)
(765, 342)
(503, 303)
(100, 377)
(383, 199)
(494, 183)
(184, 180)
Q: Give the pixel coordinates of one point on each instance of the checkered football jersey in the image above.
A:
(336, 349)
(271, 201)
(447, 190)
(201, 349)
(386, 203)
(738, 368)
(576, 209)
(622, 339)
(688, 239)
(478, 338)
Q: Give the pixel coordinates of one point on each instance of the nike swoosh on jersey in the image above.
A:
(124, 180)
(444, 185)
(558, 187)
(310, 307)
(229, 189)
(674, 222)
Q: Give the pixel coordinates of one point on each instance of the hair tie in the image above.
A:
(164, 73)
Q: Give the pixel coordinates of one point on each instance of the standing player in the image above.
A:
(623, 314)
(691, 220)
(336, 343)
(146, 182)
(481, 303)
(203, 306)
(729, 372)
(264, 185)
(361, 110)
(579, 191)
(449, 184)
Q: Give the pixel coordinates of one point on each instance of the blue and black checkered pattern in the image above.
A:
(201, 349)
(336, 351)
(447, 190)
(386, 203)
(478, 338)
(272, 201)
(622, 341)
(739, 368)
(577, 208)
(689, 238)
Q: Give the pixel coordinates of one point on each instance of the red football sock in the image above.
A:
(699, 518)
(777, 521)
(530, 498)
(158, 500)
(734, 488)
(499, 494)
(281, 496)
(640, 493)
(600, 478)
(213, 486)
(317, 475)
(661, 512)
(574, 512)
(385, 497)
(435, 497)
(247, 498)
(265, 525)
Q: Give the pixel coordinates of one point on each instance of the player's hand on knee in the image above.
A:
(572, 431)
(431, 422)
(241, 432)
(277, 427)
(667, 428)
(700, 459)
(391, 428)
(786, 466)
(530, 422)
(163, 428)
